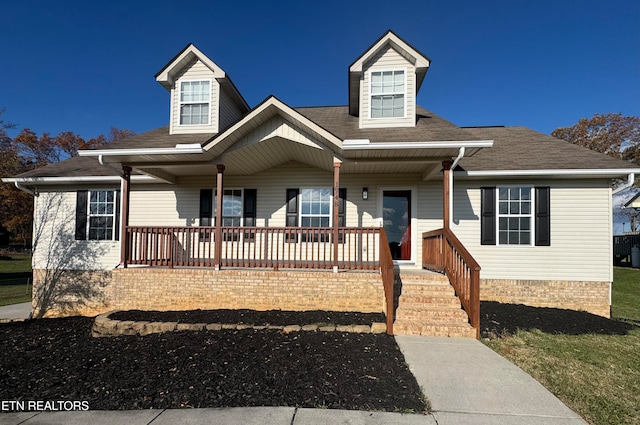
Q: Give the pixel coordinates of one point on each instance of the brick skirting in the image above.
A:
(189, 289)
(592, 297)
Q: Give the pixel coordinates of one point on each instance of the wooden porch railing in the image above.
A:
(443, 251)
(388, 278)
(268, 247)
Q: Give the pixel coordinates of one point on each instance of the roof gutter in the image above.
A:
(192, 148)
(366, 144)
(631, 178)
(78, 179)
(24, 189)
(551, 173)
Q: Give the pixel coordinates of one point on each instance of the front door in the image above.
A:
(396, 214)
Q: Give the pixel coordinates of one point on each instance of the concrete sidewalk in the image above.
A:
(15, 311)
(466, 382)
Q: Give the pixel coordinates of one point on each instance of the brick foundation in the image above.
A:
(187, 289)
(592, 297)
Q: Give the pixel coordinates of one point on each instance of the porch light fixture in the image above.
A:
(365, 193)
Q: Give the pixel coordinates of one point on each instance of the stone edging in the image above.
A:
(104, 326)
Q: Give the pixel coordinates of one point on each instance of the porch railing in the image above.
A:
(443, 251)
(269, 247)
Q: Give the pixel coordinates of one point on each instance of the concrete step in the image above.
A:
(434, 313)
(426, 328)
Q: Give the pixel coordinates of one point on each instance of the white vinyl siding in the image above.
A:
(195, 72)
(53, 239)
(388, 60)
(581, 234)
(229, 111)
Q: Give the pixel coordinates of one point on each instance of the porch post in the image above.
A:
(446, 188)
(126, 184)
(336, 207)
(218, 230)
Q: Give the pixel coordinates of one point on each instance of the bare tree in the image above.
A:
(64, 282)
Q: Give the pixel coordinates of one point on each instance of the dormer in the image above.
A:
(203, 98)
(384, 82)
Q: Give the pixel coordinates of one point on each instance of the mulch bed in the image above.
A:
(252, 317)
(498, 319)
(57, 359)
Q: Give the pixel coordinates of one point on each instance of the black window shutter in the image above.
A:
(206, 207)
(81, 215)
(292, 207)
(488, 216)
(342, 207)
(250, 206)
(543, 216)
(116, 221)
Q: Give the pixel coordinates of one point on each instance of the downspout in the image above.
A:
(24, 189)
(453, 166)
(631, 178)
(104, 164)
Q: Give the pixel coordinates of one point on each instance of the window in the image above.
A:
(315, 207)
(97, 213)
(514, 215)
(231, 207)
(387, 94)
(194, 102)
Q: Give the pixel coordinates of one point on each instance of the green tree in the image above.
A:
(612, 134)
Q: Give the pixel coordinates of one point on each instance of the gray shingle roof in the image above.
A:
(520, 148)
(158, 138)
(429, 127)
(72, 167)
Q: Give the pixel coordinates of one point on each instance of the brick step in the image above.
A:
(427, 289)
(426, 328)
(434, 313)
(408, 277)
(430, 299)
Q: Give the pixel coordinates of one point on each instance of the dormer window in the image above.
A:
(388, 94)
(195, 100)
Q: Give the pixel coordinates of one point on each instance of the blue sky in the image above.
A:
(85, 66)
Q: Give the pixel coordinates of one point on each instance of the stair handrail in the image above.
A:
(443, 251)
(388, 278)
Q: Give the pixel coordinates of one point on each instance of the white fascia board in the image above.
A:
(194, 148)
(78, 179)
(614, 172)
(364, 144)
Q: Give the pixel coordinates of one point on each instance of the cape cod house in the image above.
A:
(275, 207)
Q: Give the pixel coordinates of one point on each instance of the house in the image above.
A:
(275, 207)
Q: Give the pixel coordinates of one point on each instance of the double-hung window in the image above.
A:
(231, 207)
(315, 207)
(195, 99)
(515, 215)
(97, 215)
(388, 94)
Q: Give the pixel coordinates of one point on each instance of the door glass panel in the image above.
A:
(396, 213)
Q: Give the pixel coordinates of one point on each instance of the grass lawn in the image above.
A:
(15, 272)
(595, 372)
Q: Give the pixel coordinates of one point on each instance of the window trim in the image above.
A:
(531, 215)
(381, 70)
(215, 206)
(181, 102)
(83, 214)
(302, 188)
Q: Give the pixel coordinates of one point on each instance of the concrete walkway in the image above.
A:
(15, 311)
(466, 382)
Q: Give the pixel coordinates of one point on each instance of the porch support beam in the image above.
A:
(218, 230)
(336, 207)
(126, 189)
(446, 188)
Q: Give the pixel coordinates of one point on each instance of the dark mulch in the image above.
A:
(500, 319)
(252, 317)
(57, 359)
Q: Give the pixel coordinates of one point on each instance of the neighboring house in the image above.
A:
(268, 207)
